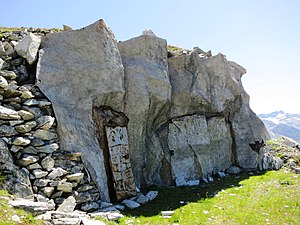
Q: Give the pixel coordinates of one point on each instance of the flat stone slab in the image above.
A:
(34, 207)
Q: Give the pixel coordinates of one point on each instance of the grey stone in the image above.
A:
(57, 194)
(3, 82)
(34, 166)
(66, 221)
(48, 163)
(29, 150)
(73, 214)
(233, 170)
(8, 114)
(44, 135)
(221, 174)
(48, 148)
(41, 182)
(31, 124)
(28, 47)
(120, 207)
(90, 206)
(51, 204)
(15, 218)
(31, 102)
(45, 122)
(7, 131)
(20, 141)
(59, 200)
(27, 95)
(193, 182)
(54, 183)
(15, 122)
(114, 216)
(27, 160)
(48, 191)
(4, 152)
(151, 195)
(83, 197)
(1, 47)
(85, 187)
(40, 198)
(297, 170)
(100, 64)
(205, 180)
(65, 186)
(149, 32)
(68, 205)
(106, 204)
(77, 177)
(57, 172)
(43, 104)
(15, 148)
(130, 204)
(10, 75)
(36, 142)
(108, 209)
(18, 184)
(142, 199)
(39, 173)
(22, 129)
(34, 207)
(167, 214)
(180, 181)
(33, 110)
(277, 163)
(1, 63)
(26, 115)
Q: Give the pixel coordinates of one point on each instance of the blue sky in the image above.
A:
(261, 35)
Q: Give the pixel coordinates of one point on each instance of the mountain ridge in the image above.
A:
(280, 124)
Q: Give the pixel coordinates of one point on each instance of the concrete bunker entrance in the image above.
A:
(112, 136)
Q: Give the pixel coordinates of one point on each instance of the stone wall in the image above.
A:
(33, 164)
(189, 115)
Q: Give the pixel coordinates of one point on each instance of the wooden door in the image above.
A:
(123, 180)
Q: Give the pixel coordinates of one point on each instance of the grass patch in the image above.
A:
(261, 198)
(174, 48)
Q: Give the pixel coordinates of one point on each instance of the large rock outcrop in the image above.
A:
(79, 70)
(147, 101)
(189, 115)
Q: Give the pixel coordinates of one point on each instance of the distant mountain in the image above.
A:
(280, 123)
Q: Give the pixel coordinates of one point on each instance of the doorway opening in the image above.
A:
(112, 136)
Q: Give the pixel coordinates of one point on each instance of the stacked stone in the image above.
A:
(30, 159)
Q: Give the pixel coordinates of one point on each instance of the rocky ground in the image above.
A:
(287, 150)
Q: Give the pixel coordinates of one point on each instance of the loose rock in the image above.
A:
(20, 141)
(28, 47)
(68, 205)
(130, 204)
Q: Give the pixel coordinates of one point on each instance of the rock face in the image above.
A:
(147, 101)
(124, 115)
(84, 68)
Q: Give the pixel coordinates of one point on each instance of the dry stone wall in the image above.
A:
(186, 113)
(31, 160)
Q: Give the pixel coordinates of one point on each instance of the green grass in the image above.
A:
(262, 198)
(174, 48)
